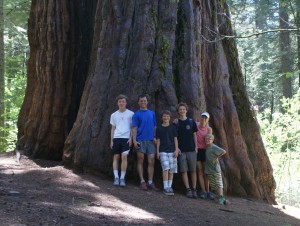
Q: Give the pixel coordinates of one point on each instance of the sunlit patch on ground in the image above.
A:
(289, 210)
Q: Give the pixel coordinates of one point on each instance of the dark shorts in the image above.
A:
(120, 145)
(201, 155)
(187, 161)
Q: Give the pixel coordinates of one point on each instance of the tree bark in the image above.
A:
(162, 48)
(60, 39)
(2, 86)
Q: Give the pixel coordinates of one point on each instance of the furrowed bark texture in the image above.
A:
(170, 50)
(60, 35)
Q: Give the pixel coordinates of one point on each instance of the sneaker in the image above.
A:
(116, 182)
(194, 193)
(171, 191)
(166, 191)
(222, 200)
(153, 187)
(210, 196)
(143, 186)
(122, 183)
(202, 195)
(189, 193)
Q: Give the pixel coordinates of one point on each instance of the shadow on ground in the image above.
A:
(44, 193)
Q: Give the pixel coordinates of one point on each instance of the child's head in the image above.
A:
(182, 109)
(121, 101)
(204, 117)
(166, 116)
(209, 139)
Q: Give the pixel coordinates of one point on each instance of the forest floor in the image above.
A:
(43, 192)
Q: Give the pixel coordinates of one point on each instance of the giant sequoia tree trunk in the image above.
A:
(60, 39)
(172, 51)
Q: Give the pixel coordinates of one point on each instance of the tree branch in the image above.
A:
(259, 33)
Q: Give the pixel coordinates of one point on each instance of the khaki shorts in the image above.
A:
(187, 161)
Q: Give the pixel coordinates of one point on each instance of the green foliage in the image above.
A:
(16, 51)
(282, 140)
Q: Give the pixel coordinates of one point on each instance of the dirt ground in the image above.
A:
(43, 192)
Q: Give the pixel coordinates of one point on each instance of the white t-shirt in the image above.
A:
(122, 122)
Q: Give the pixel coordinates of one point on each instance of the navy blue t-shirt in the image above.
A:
(166, 136)
(186, 130)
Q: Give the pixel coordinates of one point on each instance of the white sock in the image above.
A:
(165, 184)
(170, 183)
(123, 174)
(149, 181)
(116, 173)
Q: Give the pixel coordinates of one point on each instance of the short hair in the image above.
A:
(166, 112)
(142, 96)
(209, 136)
(121, 96)
(182, 104)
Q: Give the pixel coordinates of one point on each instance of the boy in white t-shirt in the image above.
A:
(121, 138)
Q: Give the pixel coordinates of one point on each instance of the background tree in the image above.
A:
(261, 57)
(285, 50)
(2, 143)
(16, 51)
(168, 49)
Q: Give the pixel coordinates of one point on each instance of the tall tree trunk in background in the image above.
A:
(2, 87)
(285, 49)
(298, 37)
(60, 39)
(170, 50)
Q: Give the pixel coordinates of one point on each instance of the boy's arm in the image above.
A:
(195, 141)
(157, 147)
(220, 155)
(177, 151)
(112, 135)
(154, 139)
(134, 131)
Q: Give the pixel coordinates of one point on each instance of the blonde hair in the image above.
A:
(209, 136)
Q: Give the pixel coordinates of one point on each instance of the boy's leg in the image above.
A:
(116, 165)
(170, 179)
(124, 164)
(140, 165)
(194, 179)
(151, 161)
(116, 169)
(185, 179)
(165, 178)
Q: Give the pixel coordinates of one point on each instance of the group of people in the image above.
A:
(184, 139)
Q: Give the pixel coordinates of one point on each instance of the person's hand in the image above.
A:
(175, 121)
(111, 144)
(136, 145)
(154, 141)
(179, 151)
(176, 153)
(196, 150)
(158, 155)
(129, 142)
